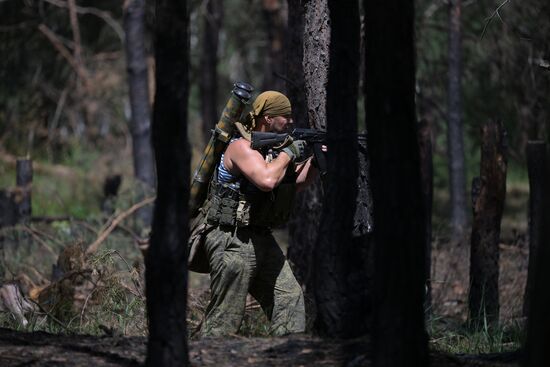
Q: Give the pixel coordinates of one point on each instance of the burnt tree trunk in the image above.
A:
(275, 22)
(166, 260)
(538, 324)
(455, 140)
(22, 197)
(399, 213)
(208, 83)
(426, 175)
(488, 194)
(313, 70)
(140, 122)
(340, 256)
(316, 61)
(536, 166)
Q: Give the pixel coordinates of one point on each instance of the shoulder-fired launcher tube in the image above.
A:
(222, 133)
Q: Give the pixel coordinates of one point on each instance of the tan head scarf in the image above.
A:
(269, 103)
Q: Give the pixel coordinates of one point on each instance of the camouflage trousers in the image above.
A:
(250, 261)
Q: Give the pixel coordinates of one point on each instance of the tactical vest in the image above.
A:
(242, 204)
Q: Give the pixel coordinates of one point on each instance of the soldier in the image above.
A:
(251, 193)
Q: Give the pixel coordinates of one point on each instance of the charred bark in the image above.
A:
(488, 194)
(426, 174)
(340, 280)
(166, 259)
(536, 166)
(455, 139)
(308, 68)
(399, 214)
(538, 324)
(208, 83)
(140, 122)
(316, 61)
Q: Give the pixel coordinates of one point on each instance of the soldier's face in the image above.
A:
(281, 124)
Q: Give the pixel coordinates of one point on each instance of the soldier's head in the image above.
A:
(271, 111)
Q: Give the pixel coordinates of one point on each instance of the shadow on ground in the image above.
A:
(43, 349)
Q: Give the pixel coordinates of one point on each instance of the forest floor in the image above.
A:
(44, 349)
(30, 252)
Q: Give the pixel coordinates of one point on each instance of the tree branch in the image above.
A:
(104, 15)
(105, 233)
(492, 16)
(56, 42)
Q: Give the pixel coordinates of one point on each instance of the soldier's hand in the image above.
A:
(297, 150)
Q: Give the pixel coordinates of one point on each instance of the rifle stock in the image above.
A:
(262, 140)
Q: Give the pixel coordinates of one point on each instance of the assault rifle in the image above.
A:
(313, 137)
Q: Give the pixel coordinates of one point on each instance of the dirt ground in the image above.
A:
(43, 349)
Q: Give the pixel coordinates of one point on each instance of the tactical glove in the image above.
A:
(297, 150)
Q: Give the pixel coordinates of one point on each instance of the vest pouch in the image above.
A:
(223, 205)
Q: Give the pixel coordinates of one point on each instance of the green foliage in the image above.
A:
(461, 339)
(501, 77)
(41, 103)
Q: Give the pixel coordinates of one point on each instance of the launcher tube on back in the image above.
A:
(221, 135)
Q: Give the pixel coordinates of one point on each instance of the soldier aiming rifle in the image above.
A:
(250, 193)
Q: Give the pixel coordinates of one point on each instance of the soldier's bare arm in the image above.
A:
(240, 158)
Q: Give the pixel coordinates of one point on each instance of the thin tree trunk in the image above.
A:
(166, 260)
(538, 325)
(77, 50)
(426, 174)
(208, 83)
(140, 122)
(488, 194)
(536, 165)
(455, 140)
(399, 213)
(275, 21)
(339, 255)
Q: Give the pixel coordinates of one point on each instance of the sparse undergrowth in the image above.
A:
(116, 304)
(460, 338)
